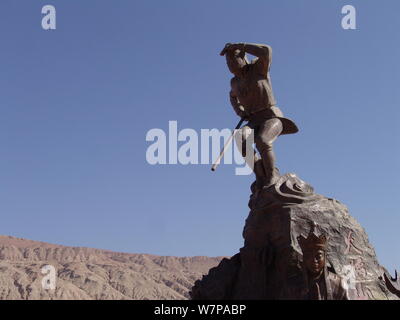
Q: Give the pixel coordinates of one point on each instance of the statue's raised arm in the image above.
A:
(263, 53)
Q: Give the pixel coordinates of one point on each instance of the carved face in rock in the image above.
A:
(314, 261)
(235, 59)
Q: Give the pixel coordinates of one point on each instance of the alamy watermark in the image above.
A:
(349, 277)
(187, 146)
(49, 18)
(49, 280)
(348, 20)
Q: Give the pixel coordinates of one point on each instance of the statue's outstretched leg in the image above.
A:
(266, 135)
(244, 139)
(244, 144)
(259, 172)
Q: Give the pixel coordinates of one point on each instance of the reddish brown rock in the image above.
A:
(85, 273)
(269, 266)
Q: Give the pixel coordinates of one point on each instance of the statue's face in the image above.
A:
(315, 261)
(235, 61)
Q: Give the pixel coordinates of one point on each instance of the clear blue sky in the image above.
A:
(76, 104)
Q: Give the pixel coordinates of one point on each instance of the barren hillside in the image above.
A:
(84, 273)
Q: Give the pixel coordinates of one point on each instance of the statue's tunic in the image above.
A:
(254, 92)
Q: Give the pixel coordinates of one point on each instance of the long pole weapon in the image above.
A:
(218, 161)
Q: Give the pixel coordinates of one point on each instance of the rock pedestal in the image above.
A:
(269, 266)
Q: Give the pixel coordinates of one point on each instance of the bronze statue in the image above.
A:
(253, 100)
(322, 284)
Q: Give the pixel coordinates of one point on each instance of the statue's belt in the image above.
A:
(273, 109)
(269, 112)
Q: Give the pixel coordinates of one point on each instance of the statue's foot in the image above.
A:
(271, 180)
(260, 174)
(262, 181)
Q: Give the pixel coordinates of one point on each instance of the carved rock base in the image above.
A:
(269, 266)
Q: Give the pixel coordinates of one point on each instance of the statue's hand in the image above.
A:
(242, 113)
(225, 49)
(231, 46)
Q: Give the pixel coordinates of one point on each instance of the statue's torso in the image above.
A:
(253, 89)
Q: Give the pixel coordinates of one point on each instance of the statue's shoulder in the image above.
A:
(260, 65)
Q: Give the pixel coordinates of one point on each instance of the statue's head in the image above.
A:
(236, 60)
(314, 261)
(314, 252)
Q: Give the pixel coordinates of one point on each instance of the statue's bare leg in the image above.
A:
(266, 135)
(254, 162)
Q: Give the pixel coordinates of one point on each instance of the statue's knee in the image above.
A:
(243, 134)
(239, 138)
(263, 146)
(247, 132)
